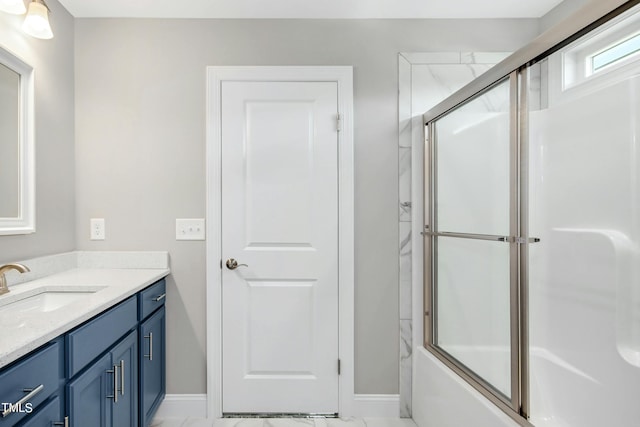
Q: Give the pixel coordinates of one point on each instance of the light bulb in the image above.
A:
(36, 23)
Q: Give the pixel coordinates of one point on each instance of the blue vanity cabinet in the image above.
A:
(125, 386)
(152, 351)
(107, 372)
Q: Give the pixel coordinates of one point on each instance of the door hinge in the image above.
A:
(339, 122)
(338, 366)
(220, 264)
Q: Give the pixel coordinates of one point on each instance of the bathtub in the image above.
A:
(561, 394)
(443, 399)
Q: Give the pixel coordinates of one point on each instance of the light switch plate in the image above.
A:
(190, 229)
(97, 230)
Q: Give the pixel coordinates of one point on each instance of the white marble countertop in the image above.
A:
(27, 331)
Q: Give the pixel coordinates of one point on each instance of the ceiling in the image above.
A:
(319, 9)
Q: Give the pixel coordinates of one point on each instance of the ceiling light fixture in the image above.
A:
(15, 7)
(36, 23)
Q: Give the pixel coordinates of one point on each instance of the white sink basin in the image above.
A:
(43, 300)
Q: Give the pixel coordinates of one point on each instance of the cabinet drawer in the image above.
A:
(91, 339)
(51, 412)
(38, 375)
(152, 298)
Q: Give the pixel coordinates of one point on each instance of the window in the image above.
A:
(611, 55)
(613, 47)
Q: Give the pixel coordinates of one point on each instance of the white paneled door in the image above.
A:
(279, 246)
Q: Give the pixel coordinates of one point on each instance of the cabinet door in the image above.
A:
(124, 358)
(152, 365)
(90, 395)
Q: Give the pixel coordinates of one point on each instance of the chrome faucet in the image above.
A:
(3, 280)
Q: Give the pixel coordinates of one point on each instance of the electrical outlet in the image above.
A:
(190, 229)
(97, 231)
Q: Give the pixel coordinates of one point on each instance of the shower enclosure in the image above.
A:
(532, 228)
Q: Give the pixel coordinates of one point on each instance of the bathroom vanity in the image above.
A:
(98, 360)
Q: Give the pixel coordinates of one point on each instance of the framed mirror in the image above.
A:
(17, 174)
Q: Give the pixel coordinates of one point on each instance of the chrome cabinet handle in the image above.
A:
(32, 392)
(160, 297)
(122, 377)
(150, 338)
(232, 264)
(114, 371)
(64, 423)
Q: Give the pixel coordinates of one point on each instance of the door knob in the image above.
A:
(232, 264)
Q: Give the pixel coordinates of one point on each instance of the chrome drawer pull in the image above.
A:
(114, 371)
(150, 338)
(160, 297)
(32, 392)
(122, 377)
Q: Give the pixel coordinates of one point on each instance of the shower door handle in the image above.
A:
(232, 264)
(495, 238)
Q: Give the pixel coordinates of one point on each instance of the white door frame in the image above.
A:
(343, 75)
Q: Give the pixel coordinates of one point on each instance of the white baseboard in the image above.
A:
(376, 405)
(183, 406)
(195, 406)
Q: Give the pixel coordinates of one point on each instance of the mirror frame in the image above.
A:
(25, 222)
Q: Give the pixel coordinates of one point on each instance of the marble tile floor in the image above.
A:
(283, 422)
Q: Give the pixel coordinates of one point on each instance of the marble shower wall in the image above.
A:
(424, 80)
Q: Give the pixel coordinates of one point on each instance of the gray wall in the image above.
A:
(140, 145)
(54, 110)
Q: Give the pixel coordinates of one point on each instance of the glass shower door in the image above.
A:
(472, 256)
